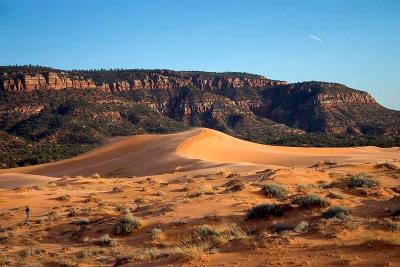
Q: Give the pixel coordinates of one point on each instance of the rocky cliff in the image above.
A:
(39, 80)
(48, 114)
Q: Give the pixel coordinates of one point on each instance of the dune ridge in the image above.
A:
(196, 149)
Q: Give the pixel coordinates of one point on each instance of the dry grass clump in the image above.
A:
(264, 210)
(275, 190)
(309, 201)
(391, 225)
(138, 255)
(92, 198)
(127, 224)
(117, 189)
(105, 241)
(72, 212)
(157, 235)
(190, 250)
(302, 226)
(27, 252)
(336, 212)
(208, 233)
(362, 181)
(64, 197)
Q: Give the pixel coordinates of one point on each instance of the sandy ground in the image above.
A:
(191, 192)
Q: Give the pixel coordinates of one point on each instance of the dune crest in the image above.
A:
(196, 149)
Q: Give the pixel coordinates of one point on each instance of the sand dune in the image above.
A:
(202, 179)
(196, 149)
(13, 180)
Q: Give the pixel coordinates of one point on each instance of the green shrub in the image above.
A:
(275, 190)
(264, 210)
(82, 222)
(309, 201)
(363, 181)
(127, 224)
(283, 227)
(336, 212)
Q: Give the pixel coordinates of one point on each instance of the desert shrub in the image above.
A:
(235, 232)
(127, 224)
(27, 252)
(206, 232)
(82, 222)
(135, 255)
(117, 189)
(159, 193)
(302, 226)
(264, 210)
(391, 225)
(157, 234)
(105, 240)
(275, 190)
(336, 212)
(309, 201)
(64, 197)
(72, 212)
(362, 181)
(283, 227)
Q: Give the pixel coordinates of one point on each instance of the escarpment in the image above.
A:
(40, 80)
(48, 114)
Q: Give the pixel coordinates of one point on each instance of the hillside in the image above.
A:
(48, 114)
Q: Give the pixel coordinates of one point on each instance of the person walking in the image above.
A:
(27, 213)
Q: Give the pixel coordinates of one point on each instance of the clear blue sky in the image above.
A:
(355, 42)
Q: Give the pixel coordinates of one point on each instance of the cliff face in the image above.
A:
(15, 81)
(329, 108)
(47, 80)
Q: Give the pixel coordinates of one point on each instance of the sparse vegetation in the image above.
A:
(157, 234)
(302, 226)
(309, 201)
(265, 210)
(190, 250)
(362, 181)
(391, 224)
(275, 190)
(64, 197)
(106, 240)
(82, 222)
(336, 212)
(127, 224)
(283, 227)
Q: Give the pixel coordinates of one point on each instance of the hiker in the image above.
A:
(27, 213)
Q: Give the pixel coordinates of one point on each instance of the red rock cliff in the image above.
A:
(61, 80)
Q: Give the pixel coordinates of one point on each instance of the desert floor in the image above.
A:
(187, 198)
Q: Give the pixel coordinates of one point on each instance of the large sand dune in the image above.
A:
(194, 150)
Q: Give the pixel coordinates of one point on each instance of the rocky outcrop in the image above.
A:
(15, 81)
(40, 81)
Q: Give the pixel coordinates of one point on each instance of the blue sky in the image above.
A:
(355, 42)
